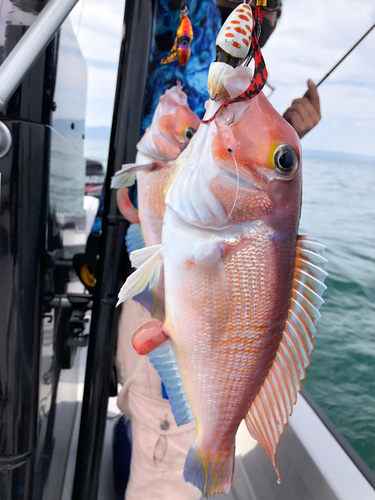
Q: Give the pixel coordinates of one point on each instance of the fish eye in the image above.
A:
(189, 133)
(184, 43)
(285, 160)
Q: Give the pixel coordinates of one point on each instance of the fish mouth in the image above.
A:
(216, 88)
(249, 178)
(248, 183)
(177, 145)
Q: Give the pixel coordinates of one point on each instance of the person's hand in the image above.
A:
(304, 113)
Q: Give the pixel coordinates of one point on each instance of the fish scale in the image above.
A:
(151, 206)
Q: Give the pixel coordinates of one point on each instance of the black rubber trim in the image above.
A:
(10, 463)
(345, 445)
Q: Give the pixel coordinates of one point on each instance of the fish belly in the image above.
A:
(227, 297)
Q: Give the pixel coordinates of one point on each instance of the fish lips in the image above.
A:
(170, 147)
(249, 177)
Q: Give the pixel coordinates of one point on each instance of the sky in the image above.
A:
(308, 41)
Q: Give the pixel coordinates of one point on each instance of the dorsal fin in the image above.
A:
(270, 410)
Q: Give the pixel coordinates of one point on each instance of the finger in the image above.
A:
(313, 95)
(299, 120)
(294, 119)
(298, 113)
(307, 110)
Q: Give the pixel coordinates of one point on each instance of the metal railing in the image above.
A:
(31, 45)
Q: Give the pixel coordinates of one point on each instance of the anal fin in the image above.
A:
(270, 410)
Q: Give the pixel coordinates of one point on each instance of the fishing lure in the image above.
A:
(240, 31)
(184, 36)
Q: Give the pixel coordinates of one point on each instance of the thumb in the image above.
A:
(312, 94)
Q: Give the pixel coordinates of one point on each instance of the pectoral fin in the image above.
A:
(147, 274)
(139, 257)
(128, 174)
(270, 411)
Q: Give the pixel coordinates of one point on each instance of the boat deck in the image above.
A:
(312, 464)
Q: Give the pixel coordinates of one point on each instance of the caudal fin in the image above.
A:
(212, 475)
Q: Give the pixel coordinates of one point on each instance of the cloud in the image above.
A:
(99, 28)
(309, 39)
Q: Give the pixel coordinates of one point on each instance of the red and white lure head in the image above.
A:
(218, 75)
(233, 45)
(234, 37)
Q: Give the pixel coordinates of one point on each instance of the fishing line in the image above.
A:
(345, 56)
(238, 184)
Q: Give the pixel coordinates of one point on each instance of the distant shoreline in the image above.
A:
(103, 134)
(336, 155)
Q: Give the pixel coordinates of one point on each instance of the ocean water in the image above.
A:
(339, 210)
(96, 149)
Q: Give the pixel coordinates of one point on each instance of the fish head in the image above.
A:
(244, 166)
(259, 156)
(173, 126)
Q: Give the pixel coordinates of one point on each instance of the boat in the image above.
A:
(58, 340)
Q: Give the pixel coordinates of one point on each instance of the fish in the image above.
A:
(184, 36)
(173, 126)
(242, 287)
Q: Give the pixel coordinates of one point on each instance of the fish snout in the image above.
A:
(216, 88)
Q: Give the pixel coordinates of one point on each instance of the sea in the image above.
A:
(339, 210)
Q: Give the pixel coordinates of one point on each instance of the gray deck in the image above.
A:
(312, 465)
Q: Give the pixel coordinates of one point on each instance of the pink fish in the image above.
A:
(173, 126)
(242, 288)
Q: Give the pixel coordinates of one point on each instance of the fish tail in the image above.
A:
(212, 475)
